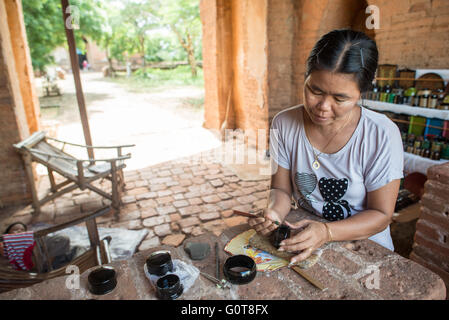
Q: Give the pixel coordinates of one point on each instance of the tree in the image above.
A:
(45, 26)
(183, 18)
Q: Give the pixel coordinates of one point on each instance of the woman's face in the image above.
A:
(329, 96)
(17, 228)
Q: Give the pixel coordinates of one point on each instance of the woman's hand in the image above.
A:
(311, 238)
(2, 253)
(266, 224)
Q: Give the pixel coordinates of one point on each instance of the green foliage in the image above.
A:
(45, 26)
(147, 79)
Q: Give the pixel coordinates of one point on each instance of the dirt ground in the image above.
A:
(160, 122)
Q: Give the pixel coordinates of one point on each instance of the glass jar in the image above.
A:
(423, 100)
(433, 101)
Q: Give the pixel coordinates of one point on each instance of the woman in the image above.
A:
(339, 160)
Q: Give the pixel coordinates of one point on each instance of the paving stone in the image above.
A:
(175, 217)
(153, 221)
(141, 183)
(136, 191)
(249, 191)
(187, 211)
(158, 187)
(187, 230)
(128, 199)
(209, 216)
(164, 210)
(185, 182)
(208, 207)
(187, 222)
(150, 243)
(224, 196)
(244, 208)
(164, 193)
(178, 189)
(211, 199)
(147, 212)
(177, 171)
(133, 215)
(164, 173)
(164, 200)
(198, 180)
(130, 225)
(162, 230)
(246, 199)
(180, 203)
(178, 196)
(227, 213)
(147, 195)
(195, 201)
(174, 240)
(197, 231)
(228, 204)
(147, 203)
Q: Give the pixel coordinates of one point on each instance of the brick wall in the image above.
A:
(431, 243)
(413, 33)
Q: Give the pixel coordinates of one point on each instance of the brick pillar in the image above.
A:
(13, 122)
(22, 59)
(431, 246)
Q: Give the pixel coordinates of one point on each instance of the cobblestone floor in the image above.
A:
(173, 200)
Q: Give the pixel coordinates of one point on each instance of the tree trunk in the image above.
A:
(188, 47)
(191, 56)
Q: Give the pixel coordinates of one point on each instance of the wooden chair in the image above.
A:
(79, 173)
(98, 254)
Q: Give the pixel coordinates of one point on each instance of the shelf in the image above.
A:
(415, 163)
(406, 109)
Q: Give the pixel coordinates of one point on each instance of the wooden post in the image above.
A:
(76, 75)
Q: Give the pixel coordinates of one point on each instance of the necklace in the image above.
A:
(316, 164)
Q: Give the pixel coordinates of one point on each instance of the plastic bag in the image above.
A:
(187, 274)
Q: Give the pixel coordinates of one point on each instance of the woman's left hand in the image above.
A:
(311, 238)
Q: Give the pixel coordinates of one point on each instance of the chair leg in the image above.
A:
(115, 186)
(29, 173)
(52, 180)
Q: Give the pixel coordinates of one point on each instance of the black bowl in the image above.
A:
(102, 280)
(169, 287)
(159, 263)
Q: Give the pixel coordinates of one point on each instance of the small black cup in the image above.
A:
(159, 263)
(280, 234)
(169, 287)
(102, 280)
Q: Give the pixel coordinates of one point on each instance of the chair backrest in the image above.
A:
(12, 279)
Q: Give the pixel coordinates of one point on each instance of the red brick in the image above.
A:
(423, 241)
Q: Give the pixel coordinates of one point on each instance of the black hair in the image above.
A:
(346, 51)
(13, 224)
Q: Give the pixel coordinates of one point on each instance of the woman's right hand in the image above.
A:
(266, 224)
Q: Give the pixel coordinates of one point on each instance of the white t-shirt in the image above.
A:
(371, 158)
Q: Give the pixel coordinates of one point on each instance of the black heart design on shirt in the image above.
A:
(332, 191)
